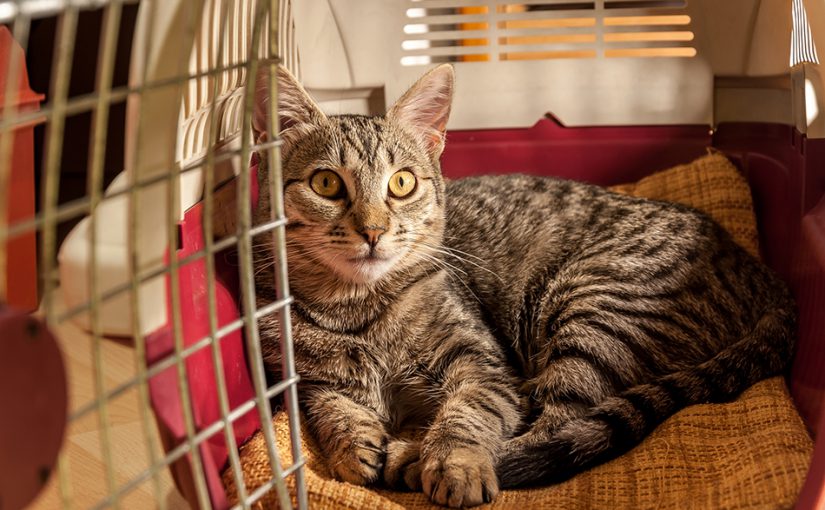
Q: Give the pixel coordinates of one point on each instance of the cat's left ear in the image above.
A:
(297, 112)
(425, 108)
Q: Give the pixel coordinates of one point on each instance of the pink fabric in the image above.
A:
(164, 388)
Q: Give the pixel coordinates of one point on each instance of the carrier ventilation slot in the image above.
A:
(802, 42)
(438, 31)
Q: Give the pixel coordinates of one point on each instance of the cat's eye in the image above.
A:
(327, 184)
(402, 183)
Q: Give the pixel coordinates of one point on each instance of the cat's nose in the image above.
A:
(371, 234)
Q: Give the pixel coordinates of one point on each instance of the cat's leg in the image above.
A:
(479, 410)
(563, 390)
(352, 436)
(579, 367)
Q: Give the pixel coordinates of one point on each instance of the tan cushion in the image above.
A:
(753, 452)
(711, 184)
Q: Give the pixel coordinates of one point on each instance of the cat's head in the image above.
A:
(363, 195)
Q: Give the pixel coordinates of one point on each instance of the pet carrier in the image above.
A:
(140, 376)
(181, 116)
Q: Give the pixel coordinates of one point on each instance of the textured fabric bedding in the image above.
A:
(750, 453)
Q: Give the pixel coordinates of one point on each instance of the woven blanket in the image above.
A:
(750, 453)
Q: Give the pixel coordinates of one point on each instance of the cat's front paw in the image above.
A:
(403, 467)
(361, 460)
(464, 477)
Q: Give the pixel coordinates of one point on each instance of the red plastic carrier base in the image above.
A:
(786, 172)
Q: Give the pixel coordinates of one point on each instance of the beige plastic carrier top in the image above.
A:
(596, 62)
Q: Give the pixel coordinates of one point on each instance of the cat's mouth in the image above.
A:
(368, 267)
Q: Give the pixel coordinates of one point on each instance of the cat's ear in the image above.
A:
(425, 108)
(297, 112)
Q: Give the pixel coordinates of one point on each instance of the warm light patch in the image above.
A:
(648, 36)
(479, 57)
(621, 21)
(549, 39)
(471, 27)
(415, 44)
(811, 102)
(416, 60)
(548, 23)
(546, 55)
(418, 28)
(545, 30)
(650, 52)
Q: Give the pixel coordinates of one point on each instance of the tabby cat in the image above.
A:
(459, 337)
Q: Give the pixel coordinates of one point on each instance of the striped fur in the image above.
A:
(620, 311)
(502, 331)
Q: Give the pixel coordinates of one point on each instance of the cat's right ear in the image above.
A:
(425, 108)
(297, 112)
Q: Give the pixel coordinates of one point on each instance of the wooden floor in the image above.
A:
(129, 453)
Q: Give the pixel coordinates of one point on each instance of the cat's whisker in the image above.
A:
(464, 253)
(447, 268)
(459, 255)
(433, 249)
(446, 251)
(447, 264)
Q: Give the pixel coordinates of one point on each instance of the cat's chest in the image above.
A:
(380, 348)
(379, 355)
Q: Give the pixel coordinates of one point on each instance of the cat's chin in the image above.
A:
(365, 270)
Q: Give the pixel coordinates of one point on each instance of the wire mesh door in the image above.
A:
(185, 383)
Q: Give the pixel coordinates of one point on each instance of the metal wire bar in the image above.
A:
(59, 89)
(208, 211)
(263, 489)
(266, 487)
(21, 32)
(185, 447)
(146, 417)
(170, 360)
(97, 149)
(279, 252)
(172, 205)
(81, 206)
(247, 270)
(86, 102)
(157, 272)
(13, 9)
(64, 50)
(99, 103)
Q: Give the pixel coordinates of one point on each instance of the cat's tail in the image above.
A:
(621, 422)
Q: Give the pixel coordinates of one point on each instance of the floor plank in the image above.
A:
(129, 451)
